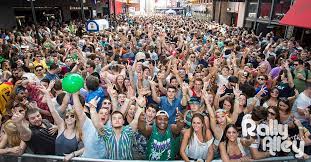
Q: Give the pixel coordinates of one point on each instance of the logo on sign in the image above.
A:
(92, 26)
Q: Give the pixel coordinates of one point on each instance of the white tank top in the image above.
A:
(197, 149)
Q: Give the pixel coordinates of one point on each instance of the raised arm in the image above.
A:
(185, 95)
(160, 81)
(57, 119)
(155, 97)
(141, 102)
(210, 111)
(78, 108)
(236, 105)
(94, 116)
(289, 76)
(143, 128)
(64, 104)
(113, 97)
(176, 128)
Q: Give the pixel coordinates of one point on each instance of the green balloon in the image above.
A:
(72, 83)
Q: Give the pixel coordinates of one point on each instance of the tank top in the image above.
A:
(161, 146)
(64, 145)
(241, 148)
(197, 149)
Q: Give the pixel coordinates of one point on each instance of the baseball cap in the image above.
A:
(162, 112)
(194, 100)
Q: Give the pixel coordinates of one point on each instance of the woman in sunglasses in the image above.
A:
(69, 134)
(273, 99)
(273, 113)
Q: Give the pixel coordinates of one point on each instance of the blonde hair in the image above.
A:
(12, 133)
(77, 126)
(224, 112)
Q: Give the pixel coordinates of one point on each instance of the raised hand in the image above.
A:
(141, 101)
(221, 90)
(93, 102)
(184, 88)
(261, 92)
(33, 104)
(237, 91)
(43, 90)
(51, 85)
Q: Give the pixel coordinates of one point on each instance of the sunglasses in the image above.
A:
(272, 113)
(39, 70)
(106, 103)
(296, 64)
(71, 116)
(261, 79)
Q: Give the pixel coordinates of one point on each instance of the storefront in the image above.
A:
(265, 15)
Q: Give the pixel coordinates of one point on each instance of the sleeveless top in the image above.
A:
(241, 148)
(161, 146)
(64, 145)
(197, 149)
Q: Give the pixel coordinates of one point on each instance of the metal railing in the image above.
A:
(51, 158)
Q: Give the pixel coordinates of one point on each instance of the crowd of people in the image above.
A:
(156, 88)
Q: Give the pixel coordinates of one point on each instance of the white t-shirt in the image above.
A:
(222, 80)
(302, 102)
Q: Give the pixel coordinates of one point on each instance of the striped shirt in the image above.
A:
(121, 149)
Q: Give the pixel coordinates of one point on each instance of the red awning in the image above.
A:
(298, 15)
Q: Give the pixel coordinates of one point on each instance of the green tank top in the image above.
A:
(161, 146)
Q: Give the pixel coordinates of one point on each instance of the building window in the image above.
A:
(252, 8)
(280, 9)
(264, 9)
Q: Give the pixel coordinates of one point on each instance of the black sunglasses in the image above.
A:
(71, 116)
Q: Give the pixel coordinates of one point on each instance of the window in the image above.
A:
(280, 9)
(264, 9)
(252, 8)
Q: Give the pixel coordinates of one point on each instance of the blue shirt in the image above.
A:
(170, 108)
(266, 90)
(50, 76)
(92, 94)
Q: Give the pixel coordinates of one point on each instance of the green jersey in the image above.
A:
(161, 146)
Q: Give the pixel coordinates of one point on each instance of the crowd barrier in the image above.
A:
(50, 158)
